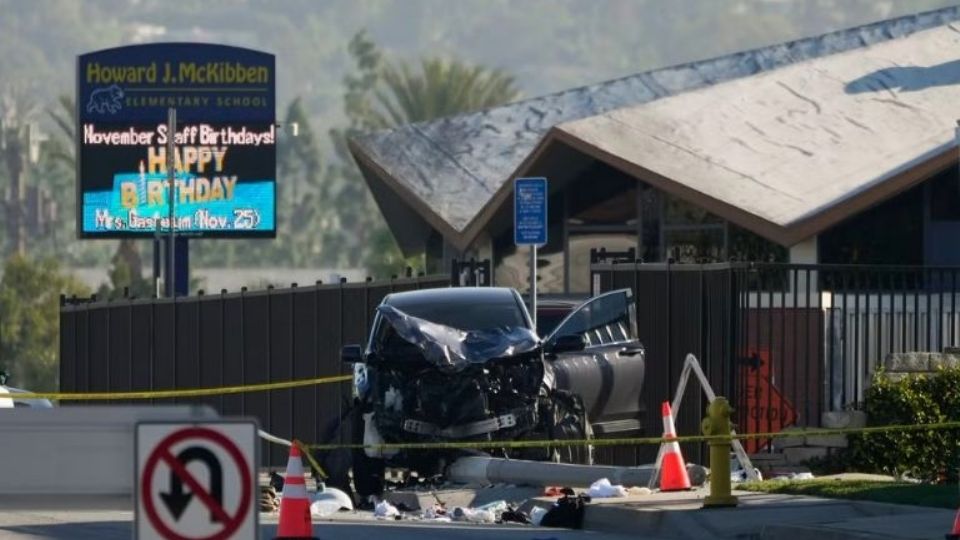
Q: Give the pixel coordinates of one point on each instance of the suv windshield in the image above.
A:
(467, 317)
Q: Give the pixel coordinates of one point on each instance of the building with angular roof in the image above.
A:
(839, 148)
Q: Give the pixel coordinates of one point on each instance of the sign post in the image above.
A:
(171, 279)
(530, 225)
(196, 480)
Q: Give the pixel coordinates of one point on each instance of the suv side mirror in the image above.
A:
(351, 354)
(567, 343)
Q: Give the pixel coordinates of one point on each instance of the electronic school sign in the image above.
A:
(225, 158)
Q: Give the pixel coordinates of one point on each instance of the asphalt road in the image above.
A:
(106, 525)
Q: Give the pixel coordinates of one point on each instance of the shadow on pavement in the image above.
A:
(79, 531)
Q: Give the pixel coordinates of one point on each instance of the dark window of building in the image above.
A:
(695, 245)
(601, 213)
(889, 233)
(690, 233)
(744, 245)
(650, 209)
(433, 254)
(680, 212)
(945, 196)
(602, 196)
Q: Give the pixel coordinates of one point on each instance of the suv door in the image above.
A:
(608, 373)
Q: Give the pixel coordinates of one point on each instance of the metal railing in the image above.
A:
(788, 341)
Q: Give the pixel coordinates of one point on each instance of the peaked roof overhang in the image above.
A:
(845, 121)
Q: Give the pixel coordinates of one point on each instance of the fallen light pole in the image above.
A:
(491, 470)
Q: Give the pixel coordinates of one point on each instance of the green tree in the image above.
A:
(304, 191)
(29, 320)
(304, 207)
(126, 263)
(381, 94)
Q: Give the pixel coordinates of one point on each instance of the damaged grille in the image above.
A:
(498, 401)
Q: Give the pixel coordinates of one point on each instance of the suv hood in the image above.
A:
(450, 349)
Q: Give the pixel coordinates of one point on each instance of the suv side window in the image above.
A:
(608, 318)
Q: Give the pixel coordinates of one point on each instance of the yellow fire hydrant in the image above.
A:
(717, 422)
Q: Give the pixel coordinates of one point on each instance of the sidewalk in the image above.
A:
(679, 516)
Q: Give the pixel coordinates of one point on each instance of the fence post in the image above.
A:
(730, 388)
(669, 322)
(341, 368)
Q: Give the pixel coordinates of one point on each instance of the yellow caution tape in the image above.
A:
(456, 445)
(313, 462)
(184, 393)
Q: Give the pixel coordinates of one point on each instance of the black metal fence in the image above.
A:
(785, 341)
(680, 310)
(228, 339)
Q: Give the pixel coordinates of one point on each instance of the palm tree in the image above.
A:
(440, 88)
(383, 94)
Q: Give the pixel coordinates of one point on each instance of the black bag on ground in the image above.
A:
(567, 512)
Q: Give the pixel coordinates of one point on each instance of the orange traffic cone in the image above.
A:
(955, 533)
(673, 471)
(295, 504)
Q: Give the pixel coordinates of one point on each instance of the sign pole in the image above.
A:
(530, 226)
(533, 283)
(157, 267)
(170, 280)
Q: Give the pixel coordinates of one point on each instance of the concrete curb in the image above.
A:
(762, 516)
(799, 532)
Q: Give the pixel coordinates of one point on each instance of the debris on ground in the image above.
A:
(276, 481)
(497, 507)
(639, 491)
(740, 475)
(512, 515)
(269, 499)
(329, 501)
(473, 515)
(493, 512)
(698, 474)
(794, 476)
(536, 515)
(602, 489)
(566, 513)
(436, 513)
(385, 510)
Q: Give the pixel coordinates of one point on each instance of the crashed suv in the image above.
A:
(461, 364)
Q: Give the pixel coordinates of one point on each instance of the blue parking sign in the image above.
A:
(530, 211)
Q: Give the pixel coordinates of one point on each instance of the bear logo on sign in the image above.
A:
(104, 100)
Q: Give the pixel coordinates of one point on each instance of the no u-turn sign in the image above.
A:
(196, 481)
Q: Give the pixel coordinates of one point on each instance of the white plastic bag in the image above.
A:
(602, 488)
(385, 510)
(536, 515)
(472, 515)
